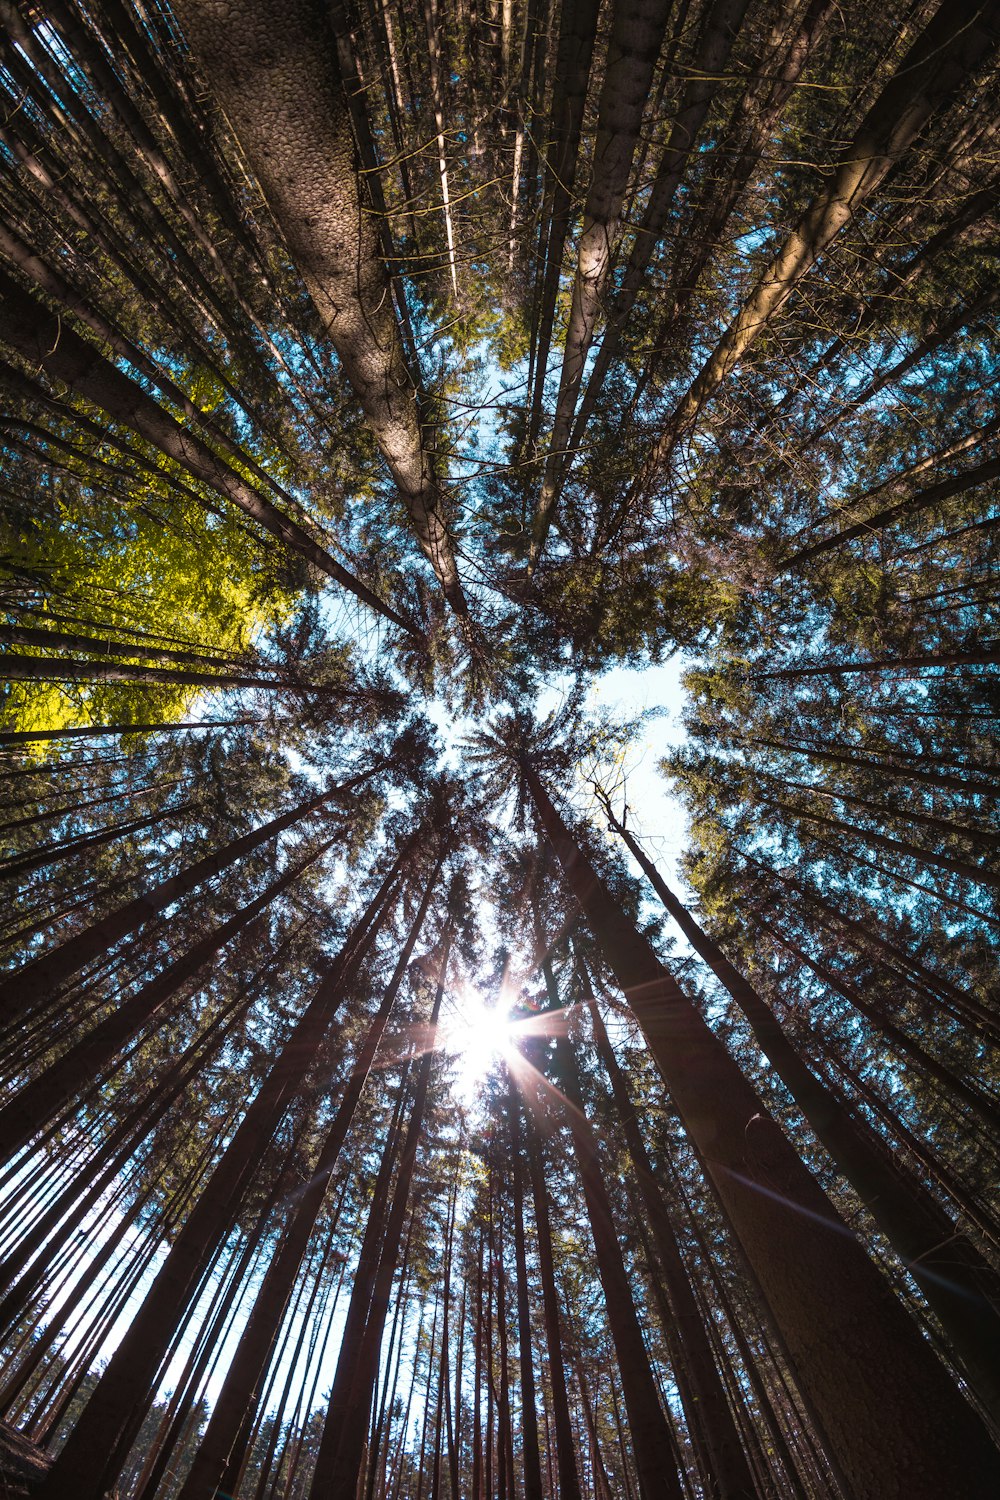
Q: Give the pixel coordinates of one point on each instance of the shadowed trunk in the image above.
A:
(889, 1409)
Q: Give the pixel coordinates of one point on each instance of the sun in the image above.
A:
(477, 1032)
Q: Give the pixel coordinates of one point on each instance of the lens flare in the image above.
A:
(476, 1033)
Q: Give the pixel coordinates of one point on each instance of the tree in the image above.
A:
(392, 398)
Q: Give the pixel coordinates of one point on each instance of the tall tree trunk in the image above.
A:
(719, 30)
(92, 1457)
(569, 1481)
(651, 1440)
(281, 89)
(889, 1409)
(913, 505)
(949, 1271)
(927, 858)
(341, 1451)
(637, 29)
(50, 854)
(886, 768)
(531, 1475)
(52, 640)
(96, 731)
(985, 655)
(577, 31)
(729, 1477)
(256, 1340)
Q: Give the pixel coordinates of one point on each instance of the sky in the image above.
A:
(656, 815)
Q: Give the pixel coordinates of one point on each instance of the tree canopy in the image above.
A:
(384, 1112)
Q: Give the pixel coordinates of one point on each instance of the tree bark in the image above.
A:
(531, 1475)
(889, 1409)
(279, 83)
(91, 1460)
(949, 1271)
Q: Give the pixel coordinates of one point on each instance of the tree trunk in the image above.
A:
(976, 874)
(96, 731)
(256, 1340)
(530, 1457)
(569, 1482)
(949, 1271)
(633, 49)
(729, 1477)
(19, 866)
(341, 1452)
(281, 89)
(883, 767)
(650, 1435)
(722, 23)
(31, 1109)
(92, 1457)
(577, 31)
(890, 1411)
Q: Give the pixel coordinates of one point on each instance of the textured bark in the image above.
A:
(275, 74)
(890, 1412)
(636, 37)
(954, 1278)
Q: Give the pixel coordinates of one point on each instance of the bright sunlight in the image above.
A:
(477, 1032)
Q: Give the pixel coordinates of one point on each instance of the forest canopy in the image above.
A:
(407, 1091)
